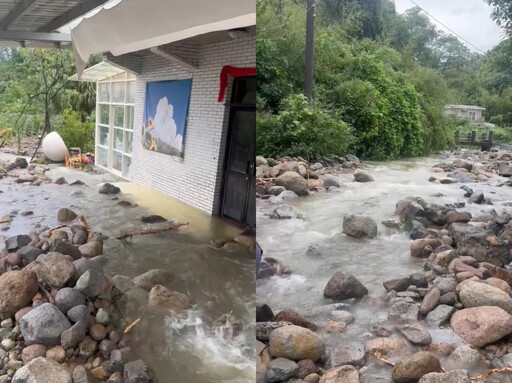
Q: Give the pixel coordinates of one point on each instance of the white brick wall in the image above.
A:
(197, 180)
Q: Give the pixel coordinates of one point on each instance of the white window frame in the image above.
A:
(125, 78)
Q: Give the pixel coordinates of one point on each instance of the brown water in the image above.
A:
(372, 261)
(184, 350)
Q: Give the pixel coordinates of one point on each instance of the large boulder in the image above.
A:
(66, 215)
(280, 369)
(359, 226)
(436, 213)
(42, 370)
(153, 277)
(293, 181)
(482, 325)
(108, 188)
(410, 208)
(18, 241)
(164, 299)
(44, 325)
(295, 343)
(362, 176)
(344, 286)
(475, 294)
(330, 180)
(53, 269)
(413, 367)
(17, 289)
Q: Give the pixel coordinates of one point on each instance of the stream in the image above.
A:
(372, 261)
(184, 350)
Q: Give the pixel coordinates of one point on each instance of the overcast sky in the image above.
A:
(469, 18)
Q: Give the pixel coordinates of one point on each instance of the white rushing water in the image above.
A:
(372, 261)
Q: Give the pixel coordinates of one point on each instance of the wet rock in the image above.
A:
(44, 325)
(84, 264)
(477, 197)
(295, 343)
(387, 347)
(98, 332)
(80, 237)
(116, 360)
(457, 376)
(16, 291)
(418, 245)
(79, 314)
(418, 280)
(106, 347)
(102, 317)
(67, 298)
(344, 286)
(21, 163)
(81, 375)
(345, 374)
(42, 370)
(74, 335)
(264, 329)
(122, 283)
(61, 181)
(108, 188)
(352, 353)
(163, 298)
(153, 277)
(416, 333)
(400, 284)
(458, 216)
(263, 313)
(330, 180)
(342, 316)
(480, 326)
(362, 176)
(93, 283)
(464, 357)
(430, 301)
(283, 196)
(294, 182)
(410, 208)
(359, 226)
(12, 244)
(138, 372)
(66, 215)
(284, 212)
(440, 315)
(153, 219)
(412, 368)
(436, 213)
(281, 369)
(403, 311)
(276, 190)
(53, 269)
(32, 352)
(91, 249)
(29, 254)
(294, 318)
(474, 294)
(445, 284)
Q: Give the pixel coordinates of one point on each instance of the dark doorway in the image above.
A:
(239, 199)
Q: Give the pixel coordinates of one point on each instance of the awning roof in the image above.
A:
(98, 72)
(134, 25)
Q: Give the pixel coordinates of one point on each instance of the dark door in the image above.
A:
(239, 200)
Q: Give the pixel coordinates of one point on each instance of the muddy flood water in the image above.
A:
(372, 261)
(178, 350)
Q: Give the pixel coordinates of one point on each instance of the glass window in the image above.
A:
(118, 139)
(104, 92)
(244, 91)
(130, 89)
(104, 114)
(129, 117)
(118, 116)
(103, 136)
(128, 139)
(117, 160)
(102, 159)
(118, 91)
(127, 163)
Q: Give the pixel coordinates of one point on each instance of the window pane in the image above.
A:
(105, 92)
(102, 158)
(104, 110)
(128, 139)
(103, 135)
(118, 139)
(130, 97)
(129, 117)
(127, 163)
(119, 116)
(117, 160)
(118, 91)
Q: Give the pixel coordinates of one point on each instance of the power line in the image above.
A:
(451, 30)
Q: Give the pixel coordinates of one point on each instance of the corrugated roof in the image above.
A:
(465, 107)
(98, 72)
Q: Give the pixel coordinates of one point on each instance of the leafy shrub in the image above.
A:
(301, 129)
(73, 131)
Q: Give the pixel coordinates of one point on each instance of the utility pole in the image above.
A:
(310, 40)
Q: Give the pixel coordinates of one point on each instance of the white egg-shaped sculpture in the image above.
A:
(54, 147)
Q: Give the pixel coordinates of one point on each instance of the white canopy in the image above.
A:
(98, 72)
(133, 25)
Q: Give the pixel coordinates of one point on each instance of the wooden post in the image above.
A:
(491, 137)
(473, 137)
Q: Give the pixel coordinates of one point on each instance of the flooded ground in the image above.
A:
(218, 283)
(372, 261)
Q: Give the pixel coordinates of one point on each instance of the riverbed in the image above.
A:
(185, 350)
(372, 261)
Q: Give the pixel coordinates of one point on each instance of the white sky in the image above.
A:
(469, 18)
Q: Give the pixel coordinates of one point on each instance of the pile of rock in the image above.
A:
(58, 321)
(286, 177)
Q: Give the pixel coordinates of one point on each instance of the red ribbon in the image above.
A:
(229, 70)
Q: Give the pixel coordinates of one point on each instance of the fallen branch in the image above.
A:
(263, 181)
(150, 232)
(80, 217)
(7, 220)
(491, 373)
(48, 232)
(379, 357)
(129, 328)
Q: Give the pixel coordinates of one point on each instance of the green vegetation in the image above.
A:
(36, 96)
(382, 80)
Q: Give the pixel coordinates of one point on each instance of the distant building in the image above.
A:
(472, 113)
